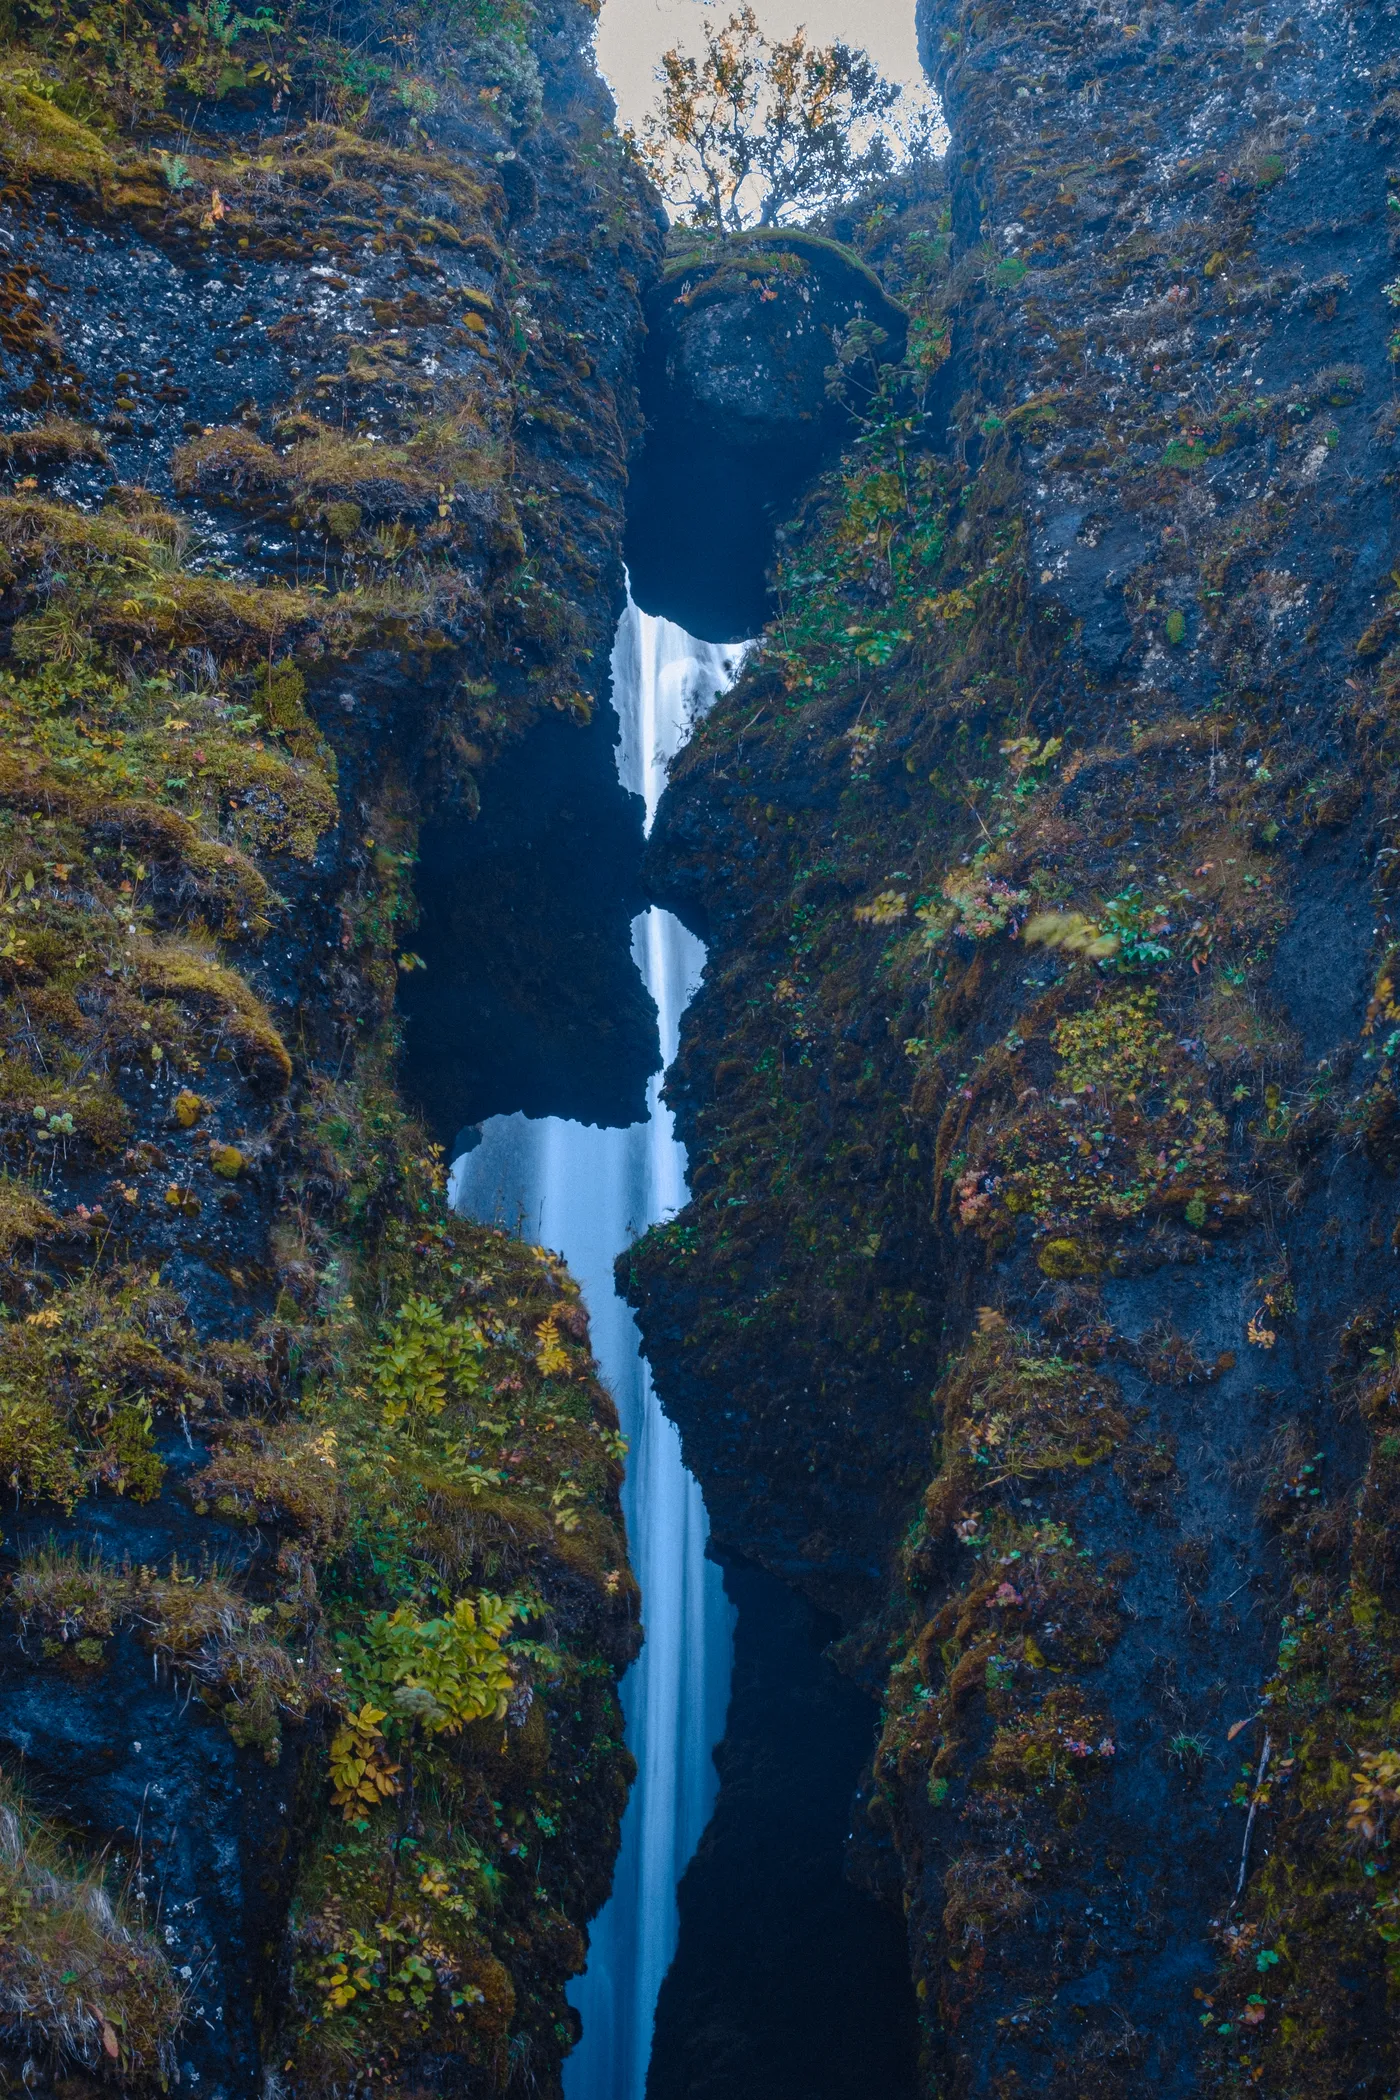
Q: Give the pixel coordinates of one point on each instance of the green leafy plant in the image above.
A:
(439, 1673)
(423, 1359)
(176, 171)
(1137, 924)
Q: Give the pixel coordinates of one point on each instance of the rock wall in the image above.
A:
(318, 339)
(1036, 1306)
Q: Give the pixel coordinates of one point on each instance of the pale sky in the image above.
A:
(632, 35)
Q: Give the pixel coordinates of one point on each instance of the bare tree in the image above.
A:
(762, 134)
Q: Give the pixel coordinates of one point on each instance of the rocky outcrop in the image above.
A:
(318, 347)
(1035, 1305)
(740, 413)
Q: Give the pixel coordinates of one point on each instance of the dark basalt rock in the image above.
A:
(209, 957)
(1168, 374)
(735, 392)
(788, 1982)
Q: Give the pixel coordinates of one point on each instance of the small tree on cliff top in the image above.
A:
(756, 134)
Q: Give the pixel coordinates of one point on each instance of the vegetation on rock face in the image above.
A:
(314, 1530)
(77, 1972)
(1041, 1092)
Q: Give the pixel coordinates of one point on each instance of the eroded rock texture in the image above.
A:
(318, 346)
(1036, 1306)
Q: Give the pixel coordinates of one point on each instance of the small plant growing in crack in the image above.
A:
(1189, 1753)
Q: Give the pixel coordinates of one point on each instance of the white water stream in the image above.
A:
(588, 1193)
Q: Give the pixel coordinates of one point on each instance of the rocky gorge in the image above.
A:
(1031, 1327)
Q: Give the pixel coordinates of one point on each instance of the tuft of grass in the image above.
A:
(228, 462)
(57, 442)
(232, 1651)
(23, 1216)
(79, 1979)
(341, 481)
(285, 1474)
(191, 974)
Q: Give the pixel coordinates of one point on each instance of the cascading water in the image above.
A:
(588, 1193)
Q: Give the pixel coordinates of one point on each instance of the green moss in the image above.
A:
(760, 247)
(79, 1381)
(41, 142)
(411, 1419)
(1062, 1260)
(101, 750)
(343, 519)
(192, 977)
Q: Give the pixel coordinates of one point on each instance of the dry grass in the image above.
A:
(79, 1979)
(23, 1216)
(57, 442)
(198, 1624)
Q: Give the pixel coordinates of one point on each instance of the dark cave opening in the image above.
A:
(702, 520)
(743, 405)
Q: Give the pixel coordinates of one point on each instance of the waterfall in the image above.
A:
(588, 1193)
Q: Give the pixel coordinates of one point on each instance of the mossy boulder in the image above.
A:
(744, 335)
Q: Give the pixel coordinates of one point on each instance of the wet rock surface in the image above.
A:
(788, 1980)
(530, 1000)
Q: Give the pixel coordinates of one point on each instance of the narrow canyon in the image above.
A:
(699, 1042)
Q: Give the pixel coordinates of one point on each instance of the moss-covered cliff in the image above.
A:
(318, 335)
(1036, 1307)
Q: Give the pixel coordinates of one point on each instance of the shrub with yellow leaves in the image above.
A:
(550, 1353)
(1073, 932)
(423, 1360)
(1377, 1795)
(360, 1771)
(885, 910)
